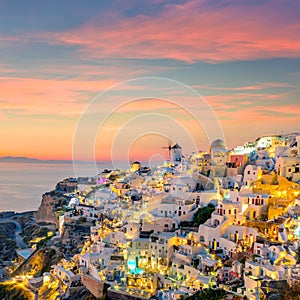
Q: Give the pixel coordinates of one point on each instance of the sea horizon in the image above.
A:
(23, 184)
(25, 159)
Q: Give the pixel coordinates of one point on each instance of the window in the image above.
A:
(229, 211)
(248, 172)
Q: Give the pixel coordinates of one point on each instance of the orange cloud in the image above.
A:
(47, 96)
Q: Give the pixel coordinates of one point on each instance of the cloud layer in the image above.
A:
(194, 31)
(242, 56)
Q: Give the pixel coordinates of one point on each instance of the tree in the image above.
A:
(82, 220)
(293, 292)
(201, 216)
(298, 255)
(209, 294)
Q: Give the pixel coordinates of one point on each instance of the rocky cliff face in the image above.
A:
(7, 243)
(74, 235)
(51, 203)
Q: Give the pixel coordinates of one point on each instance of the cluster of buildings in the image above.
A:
(142, 241)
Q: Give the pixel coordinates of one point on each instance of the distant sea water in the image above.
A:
(22, 184)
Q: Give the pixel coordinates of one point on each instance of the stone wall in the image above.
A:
(93, 285)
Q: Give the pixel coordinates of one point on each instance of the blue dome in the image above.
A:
(218, 144)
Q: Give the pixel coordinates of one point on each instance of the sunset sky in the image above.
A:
(243, 57)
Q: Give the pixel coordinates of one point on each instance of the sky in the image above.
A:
(103, 68)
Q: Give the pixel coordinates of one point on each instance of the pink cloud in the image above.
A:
(254, 87)
(189, 32)
(8, 39)
(114, 71)
(254, 108)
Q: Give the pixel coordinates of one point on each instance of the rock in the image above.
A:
(7, 243)
(51, 202)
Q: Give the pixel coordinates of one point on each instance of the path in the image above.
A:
(19, 240)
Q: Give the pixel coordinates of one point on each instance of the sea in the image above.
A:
(23, 184)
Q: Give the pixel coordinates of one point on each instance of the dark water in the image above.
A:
(22, 184)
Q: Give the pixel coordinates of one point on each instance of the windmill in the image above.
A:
(169, 148)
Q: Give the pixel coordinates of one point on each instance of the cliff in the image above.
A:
(74, 234)
(51, 203)
(7, 243)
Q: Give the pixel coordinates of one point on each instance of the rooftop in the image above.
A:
(218, 144)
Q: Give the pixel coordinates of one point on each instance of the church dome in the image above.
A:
(218, 144)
